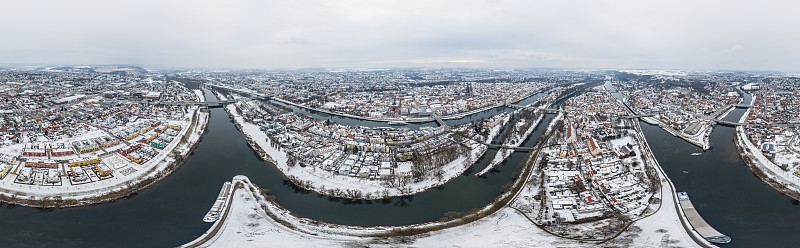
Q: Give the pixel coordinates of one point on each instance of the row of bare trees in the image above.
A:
(432, 164)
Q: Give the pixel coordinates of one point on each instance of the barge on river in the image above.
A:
(219, 204)
(697, 222)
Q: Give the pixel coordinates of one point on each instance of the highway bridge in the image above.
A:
(519, 148)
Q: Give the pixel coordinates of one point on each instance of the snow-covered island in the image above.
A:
(525, 121)
(98, 148)
(359, 162)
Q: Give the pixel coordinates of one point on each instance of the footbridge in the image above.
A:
(730, 123)
(498, 146)
(637, 116)
(547, 110)
(440, 121)
(518, 148)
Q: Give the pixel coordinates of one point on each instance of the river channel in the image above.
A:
(725, 192)
(169, 213)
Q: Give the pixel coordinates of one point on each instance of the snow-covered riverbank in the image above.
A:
(254, 221)
(784, 181)
(324, 182)
(701, 139)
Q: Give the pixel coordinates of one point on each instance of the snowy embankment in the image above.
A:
(668, 222)
(513, 141)
(324, 182)
(668, 225)
(254, 221)
(701, 139)
(200, 96)
(769, 172)
(752, 156)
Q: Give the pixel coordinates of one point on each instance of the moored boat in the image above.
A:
(219, 204)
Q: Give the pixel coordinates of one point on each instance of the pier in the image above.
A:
(698, 223)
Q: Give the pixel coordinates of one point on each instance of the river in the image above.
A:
(170, 212)
(725, 192)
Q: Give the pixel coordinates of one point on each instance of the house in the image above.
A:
(594, 148)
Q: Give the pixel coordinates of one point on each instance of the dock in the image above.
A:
(698, 223)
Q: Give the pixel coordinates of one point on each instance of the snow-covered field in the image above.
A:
(248, 224)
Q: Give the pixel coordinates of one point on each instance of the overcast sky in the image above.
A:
(672, 34)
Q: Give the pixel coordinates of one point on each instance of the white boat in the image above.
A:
(696, 153)
(398, 123)
(219, 204)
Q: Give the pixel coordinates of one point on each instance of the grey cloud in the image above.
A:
(714, 34)
(294, 40)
